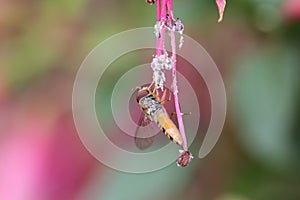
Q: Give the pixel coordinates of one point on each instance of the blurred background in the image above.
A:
(257, 50)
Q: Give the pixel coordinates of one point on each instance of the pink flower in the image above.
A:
(291, 9)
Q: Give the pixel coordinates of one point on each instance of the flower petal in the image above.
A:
(221, 7)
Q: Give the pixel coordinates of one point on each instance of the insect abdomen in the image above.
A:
(169, 128)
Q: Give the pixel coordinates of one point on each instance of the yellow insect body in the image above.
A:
(168, 127)
(154, 110)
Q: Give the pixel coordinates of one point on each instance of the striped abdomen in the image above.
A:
(168, 127)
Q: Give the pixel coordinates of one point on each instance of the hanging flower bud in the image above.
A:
(221, 7)
(151, 2)
(184, 158)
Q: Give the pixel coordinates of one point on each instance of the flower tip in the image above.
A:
(221, 7)
(220, 18)
(184, 158)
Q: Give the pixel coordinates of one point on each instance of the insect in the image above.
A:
(151, 1)
(153, 110)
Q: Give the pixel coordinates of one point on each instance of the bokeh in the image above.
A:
(257, 50)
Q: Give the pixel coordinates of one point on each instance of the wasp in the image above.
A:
(153, 110)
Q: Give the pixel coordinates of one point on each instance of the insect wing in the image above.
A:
(141, 140)
(144, 120)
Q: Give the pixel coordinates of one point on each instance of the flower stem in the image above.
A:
(175, 93)
(170, 9)
(175, 87)
(162, 10)
(158, 10)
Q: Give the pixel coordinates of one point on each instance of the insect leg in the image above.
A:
(173, 114)
(163, 101)
(155, 91)
(164, 94)
(150, 86)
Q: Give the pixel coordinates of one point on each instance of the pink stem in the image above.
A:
(175, 87)
(175, 93)
(158, 50)
(162, 16)
(164, 10)
(160, 42)
(158, 10)
(170, 9)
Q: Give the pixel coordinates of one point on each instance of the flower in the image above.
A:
(221, 7)
(184, 158)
